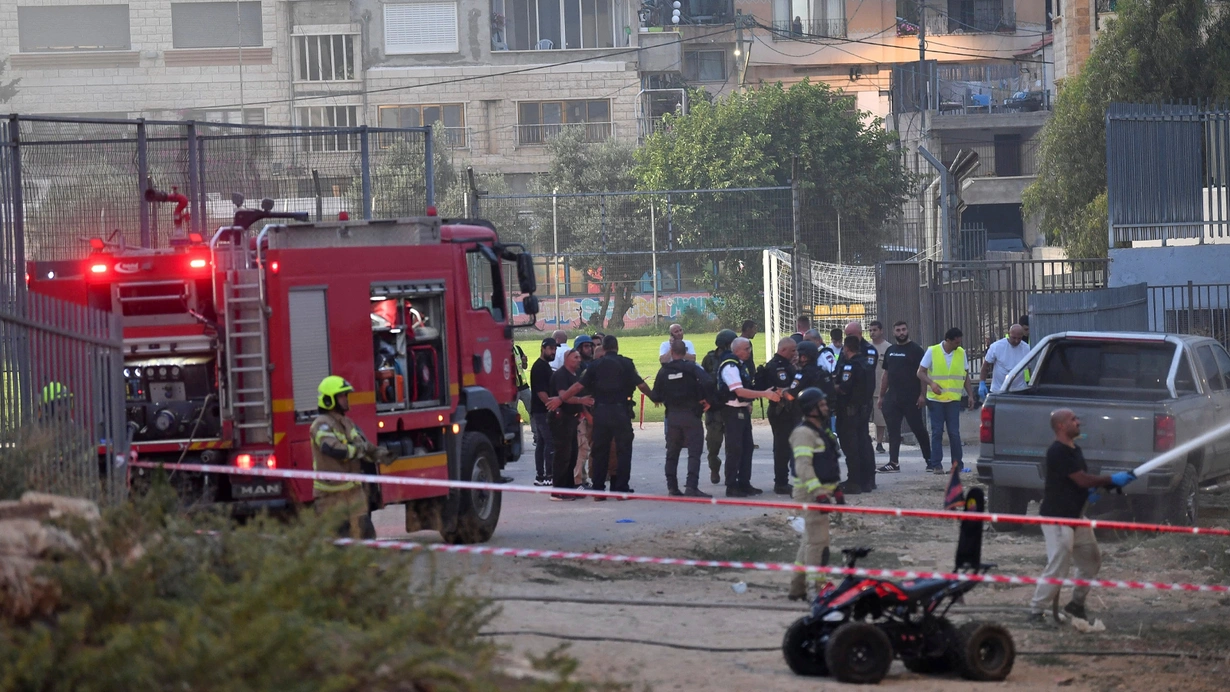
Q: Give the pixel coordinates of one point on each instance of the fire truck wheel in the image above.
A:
(479, 511)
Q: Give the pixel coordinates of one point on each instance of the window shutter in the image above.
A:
(420, 27)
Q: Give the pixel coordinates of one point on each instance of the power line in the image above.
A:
(886, 45)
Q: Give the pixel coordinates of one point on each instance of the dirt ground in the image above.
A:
(546, 604)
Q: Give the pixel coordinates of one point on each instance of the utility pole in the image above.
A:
(740, 58)
(796, 262)
(922, 66)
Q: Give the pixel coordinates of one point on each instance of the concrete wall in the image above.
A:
(1167, 266)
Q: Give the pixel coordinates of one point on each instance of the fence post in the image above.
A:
(142, 183)
(1191, 299)
(365, 161)
(430, 172)
(653, 247)
(555, 251)
(194, 223)
(18, 216)
(201, 197)
(602, 204)
(796, 262)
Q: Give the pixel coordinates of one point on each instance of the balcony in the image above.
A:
(1007, 159)
(537, 134)
(972, 18)
(788, 30)
(657, 13)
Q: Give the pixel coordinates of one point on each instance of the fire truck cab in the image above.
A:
(227, 339)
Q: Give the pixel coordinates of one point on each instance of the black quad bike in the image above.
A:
(858, 626)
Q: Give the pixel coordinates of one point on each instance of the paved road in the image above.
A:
(533, 521)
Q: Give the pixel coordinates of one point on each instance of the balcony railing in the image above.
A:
(1020, 160)
(693, 12)
(979, 20)
(788, 30)
(538, 134)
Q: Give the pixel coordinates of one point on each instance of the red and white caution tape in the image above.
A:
(764, 504)
(778, 566)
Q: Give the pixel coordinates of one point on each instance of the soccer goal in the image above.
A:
(831, 295)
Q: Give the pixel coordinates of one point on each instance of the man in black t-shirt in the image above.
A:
(1068, 486)
(540, 391)
(901, 396)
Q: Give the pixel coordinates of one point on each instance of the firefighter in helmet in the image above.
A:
(339, 446)
(816, 475)
(57, 400)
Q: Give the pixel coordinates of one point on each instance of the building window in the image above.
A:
(73, 27)
(324, 58)
(555, 24)
(216, 24)
(794, 19)
(451, 115)
(420, 27)
(249, 116)
(704, 66)
(331, 116)
(538, 121)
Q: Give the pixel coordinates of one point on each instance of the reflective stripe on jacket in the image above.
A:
(333, 435)
(950, 377)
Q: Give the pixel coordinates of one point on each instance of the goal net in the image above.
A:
(830, 294)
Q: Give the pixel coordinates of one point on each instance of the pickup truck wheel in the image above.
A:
(1180, 507)
(479, 511)
(1008, 501)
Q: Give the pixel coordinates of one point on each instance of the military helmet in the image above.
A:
(329, 389)
(725, 338)
(810, 350)
(809, 399)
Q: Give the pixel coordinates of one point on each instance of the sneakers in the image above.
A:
(1076, 610)
(879, 448)
(544, 482)
(564, 498)
(715, 477)
(889, 468)
(695, 492)
(937, 470)
(782, 489)
(674, 491)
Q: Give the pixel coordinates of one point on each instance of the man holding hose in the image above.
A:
(1069, 485)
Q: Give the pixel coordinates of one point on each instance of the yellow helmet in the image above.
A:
(329, 389)
(54, 391)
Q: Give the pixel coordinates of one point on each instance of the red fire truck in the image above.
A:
(227, 338)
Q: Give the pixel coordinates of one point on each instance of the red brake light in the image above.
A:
(272, 461)
(274, 266)
(197, 264)
(343, 216)
(1163, 432)
(986, 429)
(98, 268)
(195, 238)
(244, 461)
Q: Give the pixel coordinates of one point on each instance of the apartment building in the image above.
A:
(501, 75)
(1077, 24)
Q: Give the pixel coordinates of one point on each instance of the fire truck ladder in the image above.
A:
(246, 344)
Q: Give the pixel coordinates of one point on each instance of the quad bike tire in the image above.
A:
(943, 662)
(859, 653)
(479, 510)
(802, 651)
(984, 651)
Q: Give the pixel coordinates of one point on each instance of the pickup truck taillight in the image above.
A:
(1163, 432)
(986, 431)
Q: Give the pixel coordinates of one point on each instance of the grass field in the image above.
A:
(643, 350)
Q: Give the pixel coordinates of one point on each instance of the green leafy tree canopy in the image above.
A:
(1156, 50)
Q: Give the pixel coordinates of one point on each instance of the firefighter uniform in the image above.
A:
(780, 373)
(853, 397)
(814, 464)
(681, 385)
(339, 446)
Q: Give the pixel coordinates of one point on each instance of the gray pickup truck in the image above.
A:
(1137, 395)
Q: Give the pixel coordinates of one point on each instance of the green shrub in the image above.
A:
(266, 606)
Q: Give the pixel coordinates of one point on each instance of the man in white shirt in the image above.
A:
(664, 351)
(826, 359)
(736, 394)
(1001, 358)
(562, 349)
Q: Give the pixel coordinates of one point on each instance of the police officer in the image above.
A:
(611, 380)
(715, 426)
(814, 465)
(852, 396)
(871, 358)
(736, 394)
(809, 373)
(339, 446)
(681, 384)
(780, 372)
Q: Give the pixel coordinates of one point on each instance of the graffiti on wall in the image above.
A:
(574, 310)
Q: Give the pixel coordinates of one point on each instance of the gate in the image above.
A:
(1124, 309)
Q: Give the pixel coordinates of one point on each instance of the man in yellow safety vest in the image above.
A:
(338, 446)
(943, 373)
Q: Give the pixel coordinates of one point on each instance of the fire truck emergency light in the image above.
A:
(244, 461)
(196, 238)
(197, 264)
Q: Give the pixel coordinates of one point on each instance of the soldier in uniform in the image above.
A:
(681, 384)
(852, 395)
(779, 372)
(816, 472)
(339, 446)
(715, 427)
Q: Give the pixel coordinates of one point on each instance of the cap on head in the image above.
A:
(725, 338)
(549, 341)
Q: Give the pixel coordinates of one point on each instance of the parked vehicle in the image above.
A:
(1137, 395)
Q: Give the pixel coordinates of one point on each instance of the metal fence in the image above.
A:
(1122, 309)
(82, 178)
(1191, 308)
(1167, 171)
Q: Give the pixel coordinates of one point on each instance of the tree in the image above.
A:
(598, 230)
(1156, 50)
(846, 164)
(7, 90)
